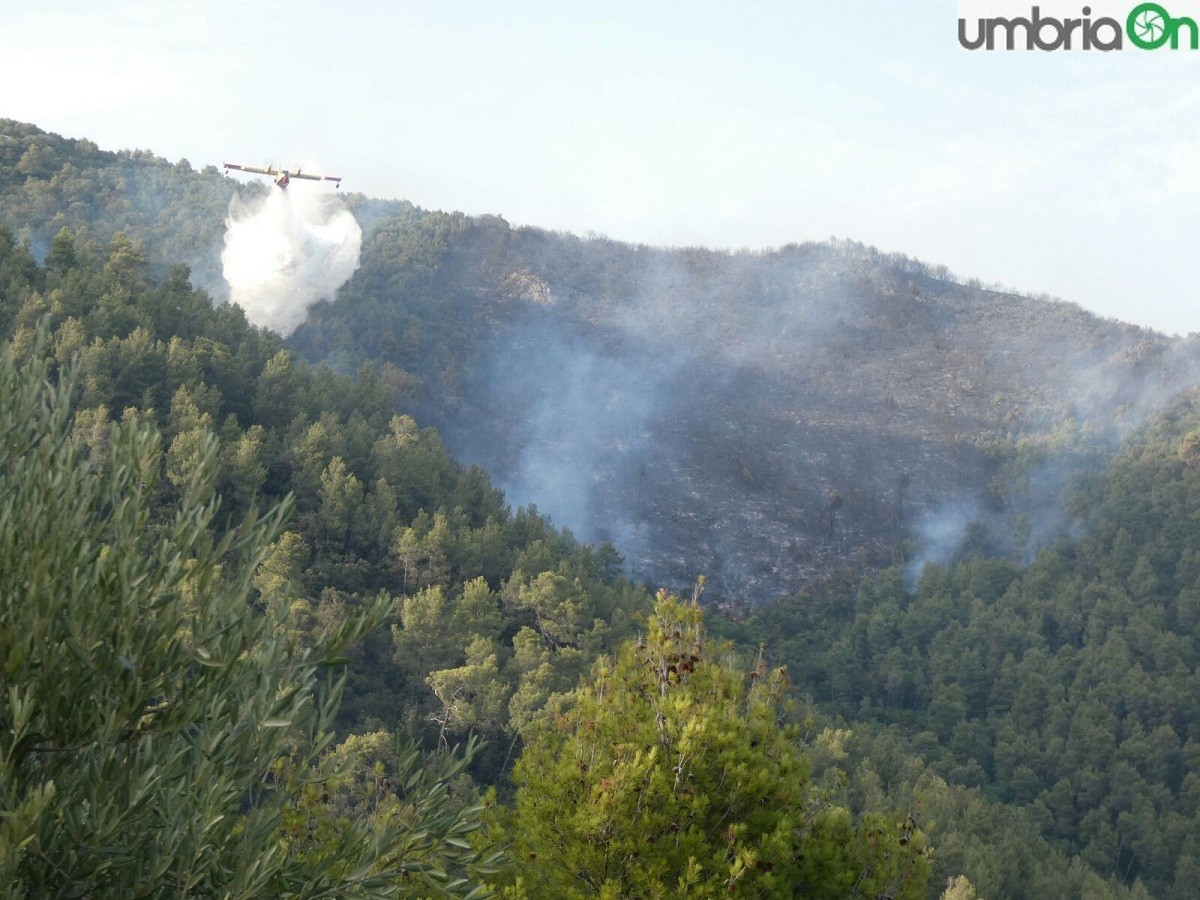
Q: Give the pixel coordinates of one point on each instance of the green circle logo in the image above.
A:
(1148, 26)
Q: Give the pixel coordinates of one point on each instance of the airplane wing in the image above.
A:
(252, 169)
(315, 177)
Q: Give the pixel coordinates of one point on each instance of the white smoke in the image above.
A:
(287, 252)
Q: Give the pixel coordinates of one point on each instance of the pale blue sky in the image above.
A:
(718, 123)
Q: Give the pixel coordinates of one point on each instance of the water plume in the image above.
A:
(286, 252)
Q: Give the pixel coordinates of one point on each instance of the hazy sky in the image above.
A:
(729, 124)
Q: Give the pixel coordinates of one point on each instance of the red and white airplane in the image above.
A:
(283, 176)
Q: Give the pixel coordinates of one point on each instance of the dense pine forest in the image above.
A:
(264, 635)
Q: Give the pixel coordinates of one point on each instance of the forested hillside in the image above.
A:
(763, 418)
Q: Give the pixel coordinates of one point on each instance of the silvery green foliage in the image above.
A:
(154, 726)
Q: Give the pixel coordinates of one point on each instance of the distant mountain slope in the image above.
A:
(763, 418)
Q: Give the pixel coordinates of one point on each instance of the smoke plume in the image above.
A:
(287, 252)
(766, 418)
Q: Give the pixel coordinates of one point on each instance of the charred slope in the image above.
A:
(759, 417)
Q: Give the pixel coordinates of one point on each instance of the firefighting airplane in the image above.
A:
(283, 176)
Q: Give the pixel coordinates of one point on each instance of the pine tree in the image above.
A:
(670, 775)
